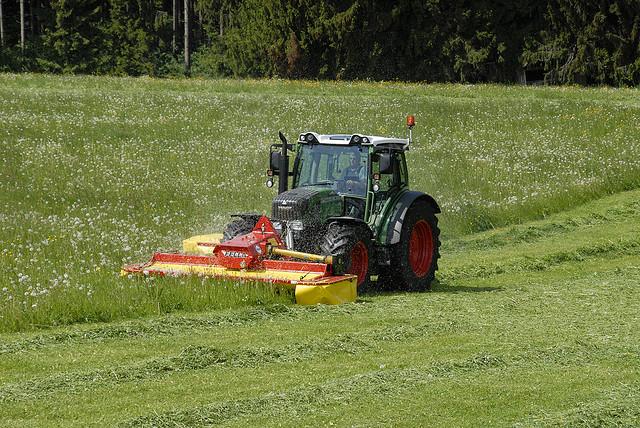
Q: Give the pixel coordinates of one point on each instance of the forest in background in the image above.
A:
(552, 41)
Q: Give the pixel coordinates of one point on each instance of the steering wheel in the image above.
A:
(342, 184)
(352, 182)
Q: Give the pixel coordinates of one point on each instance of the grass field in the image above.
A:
(534, 321)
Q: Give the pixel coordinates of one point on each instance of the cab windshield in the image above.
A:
(342, 168)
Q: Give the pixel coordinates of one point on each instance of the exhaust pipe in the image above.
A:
(283, 182)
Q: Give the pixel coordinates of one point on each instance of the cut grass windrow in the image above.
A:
(623, 247)
(170, 325)
(541, 230)
(203, 357)
(389, 383)
(618, 407)
(162, 326)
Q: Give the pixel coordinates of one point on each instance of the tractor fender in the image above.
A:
(248, 216)
(348, 220)
(400, 210)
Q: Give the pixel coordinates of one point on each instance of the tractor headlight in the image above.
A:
(269, 182)
(296, 225)
(277, 226)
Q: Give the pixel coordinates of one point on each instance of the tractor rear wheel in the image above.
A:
(239, 226)
(414, 259)
(351, 247)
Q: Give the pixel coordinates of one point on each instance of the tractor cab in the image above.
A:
(365, 172)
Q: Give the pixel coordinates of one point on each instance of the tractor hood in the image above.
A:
(308, 204)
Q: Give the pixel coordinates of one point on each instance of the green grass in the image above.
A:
(533, 322)
(519, 344)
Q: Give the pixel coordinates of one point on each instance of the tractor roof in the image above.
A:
(353, 139)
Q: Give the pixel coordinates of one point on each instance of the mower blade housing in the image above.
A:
(249, 258)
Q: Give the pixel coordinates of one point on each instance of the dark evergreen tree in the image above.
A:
(589, 42)
(78, 36)
(133, 36)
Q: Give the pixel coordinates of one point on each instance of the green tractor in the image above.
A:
(350, 198)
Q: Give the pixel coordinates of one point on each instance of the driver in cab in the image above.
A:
(355, 174)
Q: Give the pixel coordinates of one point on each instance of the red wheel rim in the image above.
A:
(421, 248)
(359, 261)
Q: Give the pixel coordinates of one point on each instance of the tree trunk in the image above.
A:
(176, 18)
(221, 21)
(22, 25)
(187, 53)
(31, 23)
(1, 26)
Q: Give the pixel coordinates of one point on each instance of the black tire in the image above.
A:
(239, 226)
(418, 273)
(351, 247)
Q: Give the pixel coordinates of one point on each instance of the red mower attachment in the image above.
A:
(260, 255)
(248, 251)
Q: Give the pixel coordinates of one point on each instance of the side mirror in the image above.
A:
(386, 163)
(274, 162)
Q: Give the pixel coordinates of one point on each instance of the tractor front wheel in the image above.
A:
(351, 247)
(239, 226)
